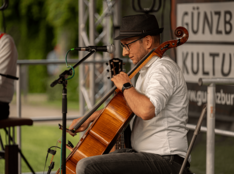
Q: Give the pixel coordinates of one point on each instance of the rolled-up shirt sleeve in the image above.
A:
(8, 57)
(8, 61)
(160, 87)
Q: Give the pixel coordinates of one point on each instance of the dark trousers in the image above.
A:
(4, 110)
(128, 161)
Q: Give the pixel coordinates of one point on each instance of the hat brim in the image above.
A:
(120, 37)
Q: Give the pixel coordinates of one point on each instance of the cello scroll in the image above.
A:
(180, 32)
(161, 49)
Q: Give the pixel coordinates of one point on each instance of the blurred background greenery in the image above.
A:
(37, 27)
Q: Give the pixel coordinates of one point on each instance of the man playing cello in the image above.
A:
(159, 101)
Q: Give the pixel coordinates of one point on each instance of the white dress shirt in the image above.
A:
(162, 81)
(8, 58)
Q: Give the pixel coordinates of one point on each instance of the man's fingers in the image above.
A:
(79, 130)
(74, 123)
(123, 73)
(71, 126)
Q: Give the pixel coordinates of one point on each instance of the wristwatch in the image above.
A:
(126, 86)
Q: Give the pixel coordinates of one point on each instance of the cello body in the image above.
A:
(102, 134)
(104, 131)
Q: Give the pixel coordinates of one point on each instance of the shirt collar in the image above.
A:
(148, 64)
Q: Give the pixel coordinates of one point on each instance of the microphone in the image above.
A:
(108, 48)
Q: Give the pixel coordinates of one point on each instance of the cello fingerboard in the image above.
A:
(115, 68)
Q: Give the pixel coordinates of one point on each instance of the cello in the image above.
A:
(104, 131)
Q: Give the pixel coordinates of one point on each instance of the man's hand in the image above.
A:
(120, 79)
(83, 127)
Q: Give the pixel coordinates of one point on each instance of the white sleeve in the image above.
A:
(8, 57)
(160, 87)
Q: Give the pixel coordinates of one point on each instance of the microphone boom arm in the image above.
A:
(69, 72)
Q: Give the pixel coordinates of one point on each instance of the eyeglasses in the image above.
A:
(126, 46)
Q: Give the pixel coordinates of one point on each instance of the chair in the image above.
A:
(11, 149)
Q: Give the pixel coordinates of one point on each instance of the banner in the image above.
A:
(208, 53)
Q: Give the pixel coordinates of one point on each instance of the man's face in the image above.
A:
(136, 49)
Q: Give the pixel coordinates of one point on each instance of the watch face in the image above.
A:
(127, 85)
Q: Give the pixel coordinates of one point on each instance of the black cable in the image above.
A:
(162, 18)
(49, 150)
(50, 167)
(6, 139)
(146, 11)
(150, 9)
(5, 5)
(1, 143)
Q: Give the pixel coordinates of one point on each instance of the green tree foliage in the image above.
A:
(63, 16)
(36, 27)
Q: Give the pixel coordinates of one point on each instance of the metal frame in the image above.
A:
(18, 102)
(87, 11)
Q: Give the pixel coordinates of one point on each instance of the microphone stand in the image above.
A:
(63, 80)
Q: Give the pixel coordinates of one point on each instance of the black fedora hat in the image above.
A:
(138, 25)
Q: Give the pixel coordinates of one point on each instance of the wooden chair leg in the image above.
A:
(11, 159)
(19, 151)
